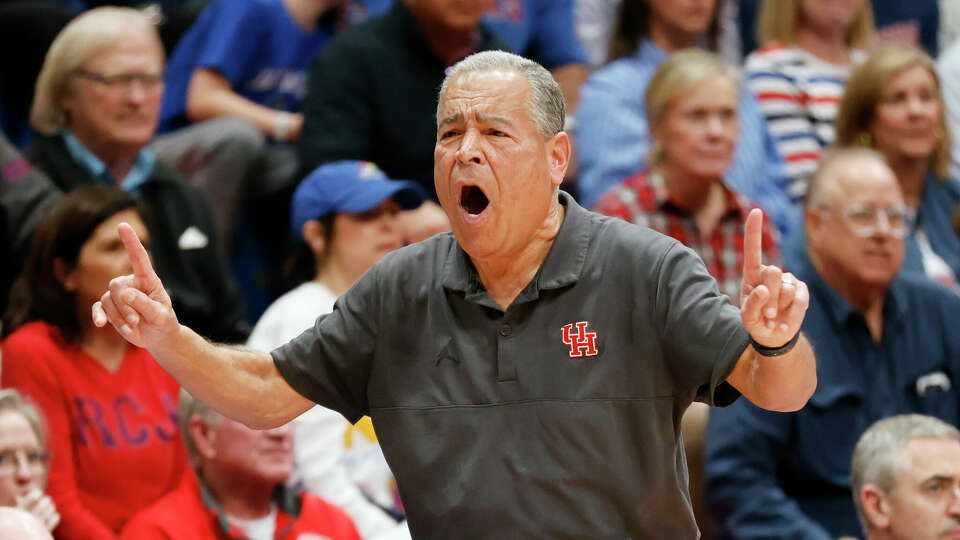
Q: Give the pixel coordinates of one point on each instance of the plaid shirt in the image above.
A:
(643, 199)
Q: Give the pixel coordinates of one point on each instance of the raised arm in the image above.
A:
(209, 95)
(772, 305)
(243, 385)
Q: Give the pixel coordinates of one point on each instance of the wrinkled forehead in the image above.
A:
(128, 46)
(487, 91)
(862, 179)
(930, 457)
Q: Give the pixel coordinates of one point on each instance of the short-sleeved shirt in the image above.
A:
(643, 199)
(255, 44)
(541, 30)
(558, 416)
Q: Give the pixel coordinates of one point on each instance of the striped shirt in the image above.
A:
(799, 95)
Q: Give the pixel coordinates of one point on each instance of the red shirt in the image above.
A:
(643, 199)
(114, 437)
(183, 513)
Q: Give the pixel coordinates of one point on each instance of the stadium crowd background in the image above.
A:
(273, 150)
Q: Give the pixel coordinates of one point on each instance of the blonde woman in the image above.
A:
(893, 104)
(691, 104)
(808, 48)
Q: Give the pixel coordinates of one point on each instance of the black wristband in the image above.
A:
(776, 351)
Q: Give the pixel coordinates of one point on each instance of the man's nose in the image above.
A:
(469, 150)
(137, 90)
(953, 507)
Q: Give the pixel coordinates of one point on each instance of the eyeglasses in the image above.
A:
(11, 459)
(123, 81)
(866, 220)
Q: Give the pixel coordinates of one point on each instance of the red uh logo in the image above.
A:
(580, 341)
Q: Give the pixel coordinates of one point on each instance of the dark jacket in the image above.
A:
(26, 195)
(196, 276)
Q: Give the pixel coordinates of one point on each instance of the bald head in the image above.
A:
(839, 169)
(20, 524)
(855, 224)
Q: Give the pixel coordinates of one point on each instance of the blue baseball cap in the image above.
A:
(348, 186)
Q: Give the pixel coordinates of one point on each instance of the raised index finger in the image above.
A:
(752, 243)
(139, 258)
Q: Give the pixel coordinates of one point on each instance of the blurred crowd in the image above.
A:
(269, 152)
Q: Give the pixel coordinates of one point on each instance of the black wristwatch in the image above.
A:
(776, 351)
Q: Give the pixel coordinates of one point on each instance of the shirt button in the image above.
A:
(506, 331)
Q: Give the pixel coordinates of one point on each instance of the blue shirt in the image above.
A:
(787, 475)
(541, 30)
(612, 137)
(138, 175)
(255, 44)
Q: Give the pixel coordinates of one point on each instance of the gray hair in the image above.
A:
(546, 105)
(822, 185)
(880, 456)
(10, 400)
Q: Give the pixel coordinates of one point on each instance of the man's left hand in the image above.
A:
(772, 302)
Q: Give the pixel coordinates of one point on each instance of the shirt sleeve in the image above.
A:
(743, 495)
(330, 363)
(25, 369)
(555, 42)
(611, 133)
(232, 39)
(702, 332)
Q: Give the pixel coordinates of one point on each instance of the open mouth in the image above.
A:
(473, 200)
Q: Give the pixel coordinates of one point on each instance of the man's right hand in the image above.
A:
(137, 305)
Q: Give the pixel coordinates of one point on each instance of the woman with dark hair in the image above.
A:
(111, 409)
(344, 215)
(613, 138)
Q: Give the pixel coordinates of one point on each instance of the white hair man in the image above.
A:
(906, 479)
(526, 374)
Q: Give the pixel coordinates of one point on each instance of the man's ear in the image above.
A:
(313, 233)
(204, 436)
(64, 275)
(876, 506)
(559, 153)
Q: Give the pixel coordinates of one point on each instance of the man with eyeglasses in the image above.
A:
(24, 460)
(886, 345)
(95, 109)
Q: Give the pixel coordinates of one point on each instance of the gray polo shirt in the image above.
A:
(557, 418)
